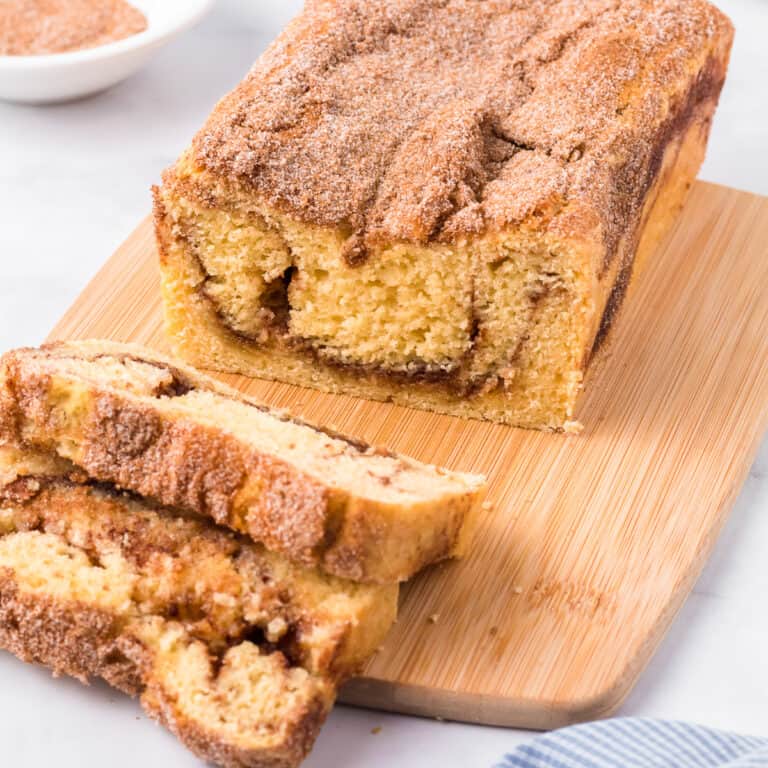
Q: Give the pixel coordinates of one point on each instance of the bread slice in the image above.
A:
(438, 203)
(160, 429)
(232, 647)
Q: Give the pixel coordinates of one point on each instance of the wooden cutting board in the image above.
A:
(594, 541)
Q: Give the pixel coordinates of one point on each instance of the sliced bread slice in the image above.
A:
(232, 647)
(156, 427)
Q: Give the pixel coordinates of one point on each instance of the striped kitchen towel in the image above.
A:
(639, 743)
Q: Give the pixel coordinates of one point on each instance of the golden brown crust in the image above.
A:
(188, 464)
(73, 639)
(204, 743)
(435, 119)
(180, 464)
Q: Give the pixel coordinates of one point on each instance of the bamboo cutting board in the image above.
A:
(593, 541)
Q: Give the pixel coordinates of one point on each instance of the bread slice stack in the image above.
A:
(227, 563)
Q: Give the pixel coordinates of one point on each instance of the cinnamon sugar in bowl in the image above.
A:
(39, 27)
(56, 50)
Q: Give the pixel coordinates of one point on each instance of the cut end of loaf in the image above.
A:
(513, 336)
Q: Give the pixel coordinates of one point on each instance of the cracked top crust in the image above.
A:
(419, 120)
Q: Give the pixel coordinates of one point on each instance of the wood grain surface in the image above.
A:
(594, 540)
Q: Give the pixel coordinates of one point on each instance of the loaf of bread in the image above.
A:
(160, 429)
(232, 647)
(435, 203)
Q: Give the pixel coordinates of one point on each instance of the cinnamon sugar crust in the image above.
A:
(75, 640)
(428, 120)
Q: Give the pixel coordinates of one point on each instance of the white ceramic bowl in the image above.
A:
(64, 76)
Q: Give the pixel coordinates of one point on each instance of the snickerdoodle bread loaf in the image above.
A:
(438, 202)
(233, 648)
(155, 427)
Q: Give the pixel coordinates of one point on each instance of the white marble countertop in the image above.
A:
(74, 181)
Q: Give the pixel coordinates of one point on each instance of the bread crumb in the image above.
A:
(486, 505)
(573, 427)
(376, 730)
(518, 590)
(276, 629)
(433, 618)
(222, 598)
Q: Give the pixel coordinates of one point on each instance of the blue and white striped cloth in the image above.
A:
(639, 743)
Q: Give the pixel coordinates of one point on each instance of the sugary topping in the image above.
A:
(418, 120)
(37, 27)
